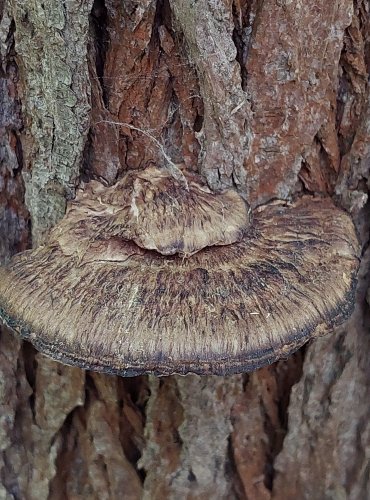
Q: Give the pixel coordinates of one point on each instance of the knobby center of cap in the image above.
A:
(156, 212)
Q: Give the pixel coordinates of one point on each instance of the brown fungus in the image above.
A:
(156, 212)
(112, 290)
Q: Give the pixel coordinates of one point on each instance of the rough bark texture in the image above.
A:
(72, 75)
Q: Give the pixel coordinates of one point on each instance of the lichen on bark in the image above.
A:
(51, 40)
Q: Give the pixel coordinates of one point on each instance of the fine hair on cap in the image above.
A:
(152, 275)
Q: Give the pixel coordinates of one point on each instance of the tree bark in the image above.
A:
(268, 96)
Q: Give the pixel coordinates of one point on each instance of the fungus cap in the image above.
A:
(156, 212)
(112, 291)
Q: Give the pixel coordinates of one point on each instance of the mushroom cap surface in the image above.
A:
(102, 302)
(156, 212)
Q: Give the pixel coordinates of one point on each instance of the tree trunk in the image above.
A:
(270, 97)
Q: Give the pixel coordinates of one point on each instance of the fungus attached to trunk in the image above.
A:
(152, 275)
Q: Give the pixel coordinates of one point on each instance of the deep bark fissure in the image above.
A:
(129, 393)
(11, 153)
(58, 484)
(237, 484)
(100, 39)
(30, 365)
(242, 35)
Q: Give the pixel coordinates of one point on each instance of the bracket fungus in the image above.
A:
(154, 275)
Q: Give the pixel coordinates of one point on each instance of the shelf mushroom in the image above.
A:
(153, 275)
